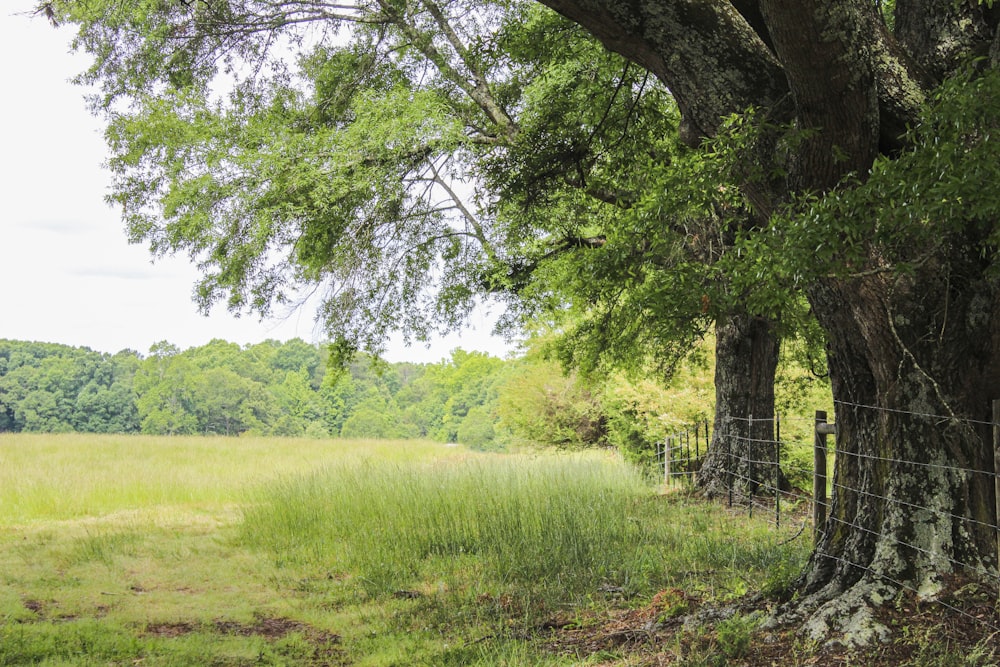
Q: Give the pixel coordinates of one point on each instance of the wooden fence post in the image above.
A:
(819, 473)
(751, 464)
(666, 461)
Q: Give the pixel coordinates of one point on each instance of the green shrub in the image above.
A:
(734, 634)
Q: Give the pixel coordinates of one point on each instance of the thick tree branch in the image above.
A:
(824, 49)
(718, 57)
(714, 62)
(941, 35)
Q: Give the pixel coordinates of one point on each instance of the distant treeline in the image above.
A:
(269, 388)
(286, 389)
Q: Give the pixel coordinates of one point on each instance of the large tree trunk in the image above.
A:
(908, 353)
(913, 486)
(746, 359)
(914, 357)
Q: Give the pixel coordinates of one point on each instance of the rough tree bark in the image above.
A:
(906, 512)
(900, 346)
(746, 359)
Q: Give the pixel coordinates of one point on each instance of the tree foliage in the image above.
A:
(269, 388)
(302, 148)
(406, 159)
(47, 387)
(284, 390)
(915, 202)
(616, 226)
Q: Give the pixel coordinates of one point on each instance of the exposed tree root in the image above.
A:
(839, 618)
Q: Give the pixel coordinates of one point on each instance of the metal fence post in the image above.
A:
(996, 470)
(666, 463)
(688, 474)
(777, 470)
(667, 466)
(729, 461)
(697, 446)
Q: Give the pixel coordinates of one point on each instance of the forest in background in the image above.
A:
(287, 389)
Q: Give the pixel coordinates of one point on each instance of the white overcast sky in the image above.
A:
(67, 272)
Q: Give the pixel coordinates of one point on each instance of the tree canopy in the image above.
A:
(269, 388)
(406, 160)
(284, 389)
(293, 149)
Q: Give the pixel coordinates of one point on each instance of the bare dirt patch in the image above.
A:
(170, 629)
(266, 627)
(34, 606)
(324, 645)
(272, 628)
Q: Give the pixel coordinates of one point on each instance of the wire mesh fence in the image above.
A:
(681, 453)
(761, 486)
(755, 482)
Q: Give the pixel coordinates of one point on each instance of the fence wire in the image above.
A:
(757, 478)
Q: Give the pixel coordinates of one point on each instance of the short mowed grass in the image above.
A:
(213, 551)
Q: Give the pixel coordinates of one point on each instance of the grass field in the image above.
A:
(120, 550)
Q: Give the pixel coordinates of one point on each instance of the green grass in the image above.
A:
(69, 476)
(191, 551)
(569, 522)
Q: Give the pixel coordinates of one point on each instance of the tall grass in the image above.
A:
(70, 476)
(410, 552)
(571, 523)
